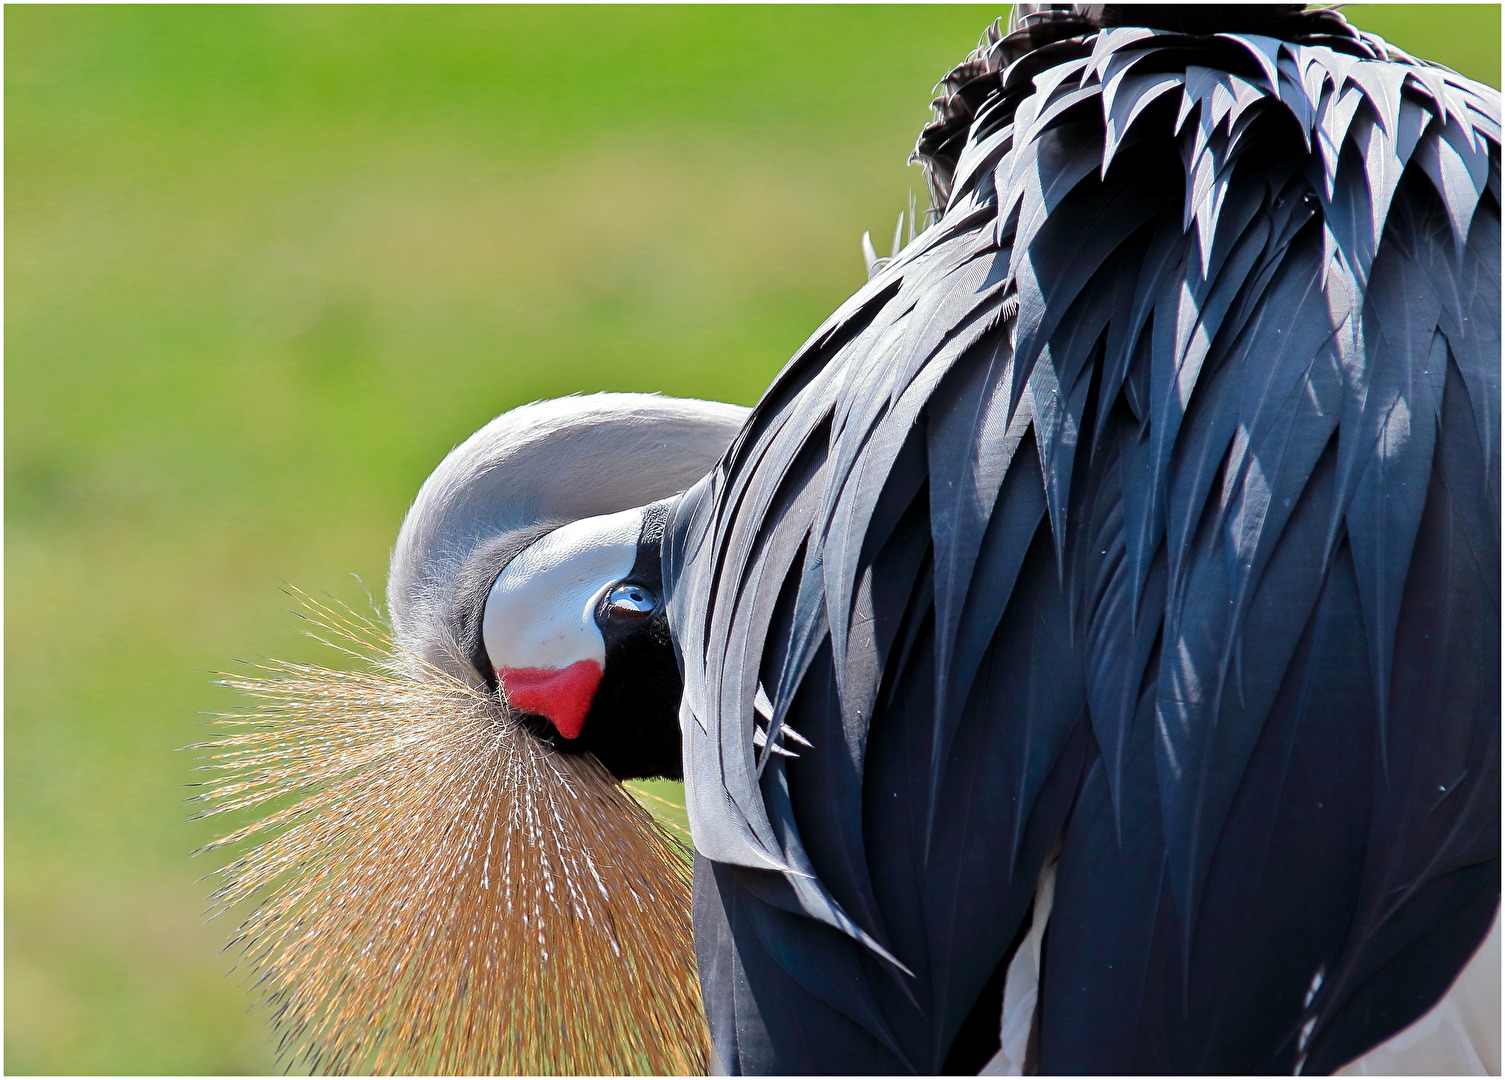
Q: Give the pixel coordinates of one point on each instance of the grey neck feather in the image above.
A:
(527, 471)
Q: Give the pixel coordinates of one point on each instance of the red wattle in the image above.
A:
(563, 695)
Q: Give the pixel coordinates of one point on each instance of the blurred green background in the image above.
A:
(265, 266)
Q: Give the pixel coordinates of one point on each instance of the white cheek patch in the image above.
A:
(540, 612)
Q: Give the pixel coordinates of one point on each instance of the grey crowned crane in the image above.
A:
(1084, 658)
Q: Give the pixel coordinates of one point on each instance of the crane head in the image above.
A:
(449, 876)
(528, 567)
(575, 638)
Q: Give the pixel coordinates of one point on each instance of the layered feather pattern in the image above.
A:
(1146, 505)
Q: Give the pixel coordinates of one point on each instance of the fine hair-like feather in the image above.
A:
(434, 891)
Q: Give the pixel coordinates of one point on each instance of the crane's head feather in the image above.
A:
(436, 891)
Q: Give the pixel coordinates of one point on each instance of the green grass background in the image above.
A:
(265, 266)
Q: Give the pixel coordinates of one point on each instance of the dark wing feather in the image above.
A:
(1145, 508)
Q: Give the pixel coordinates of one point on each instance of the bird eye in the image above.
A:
(630, 601)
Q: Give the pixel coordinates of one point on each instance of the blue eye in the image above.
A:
(631, 601)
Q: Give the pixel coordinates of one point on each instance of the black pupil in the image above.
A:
(632, 600)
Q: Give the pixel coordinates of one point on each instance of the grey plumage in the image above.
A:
(1147, 504)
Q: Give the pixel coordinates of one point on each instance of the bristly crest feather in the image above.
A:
(435, 890)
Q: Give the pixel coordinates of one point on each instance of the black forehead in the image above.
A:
(647, 567)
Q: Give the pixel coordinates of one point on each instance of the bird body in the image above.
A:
(1085, 657)
(1139, 520)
